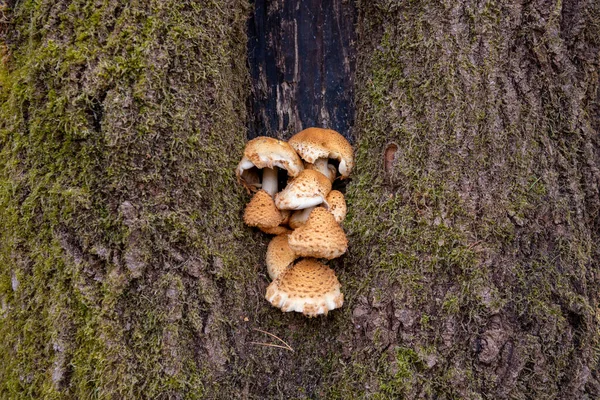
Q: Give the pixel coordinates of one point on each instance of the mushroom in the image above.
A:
(317, 146)
(309, 188)
(281, 228)
(320, 237)
(329, 171)
(267, 154)
(308, 287)
(279, 256)
(337, 207)
(278, 230)
(261, 211)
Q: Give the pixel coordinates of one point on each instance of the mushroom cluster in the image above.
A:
(305, 215)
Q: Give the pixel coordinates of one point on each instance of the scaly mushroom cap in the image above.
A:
(279, 256)
(278, 230)
(265, 152)
(309, 188)
(314, 143)
(261, 211)
(281, 229)
(308, 287)
(320, 237)
(337, 205)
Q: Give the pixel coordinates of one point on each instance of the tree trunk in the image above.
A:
(472, 270)
(302, 63)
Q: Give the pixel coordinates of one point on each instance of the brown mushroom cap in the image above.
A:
(309, 188)
(337, 205)
(314, 143)
(320, 237)
(278, 230)
(265, 152)
(308, 287)
(261, 211)
(279, 256)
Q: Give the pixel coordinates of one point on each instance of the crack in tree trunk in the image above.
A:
(302, 62)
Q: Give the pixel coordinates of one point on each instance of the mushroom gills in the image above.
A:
(249, 176)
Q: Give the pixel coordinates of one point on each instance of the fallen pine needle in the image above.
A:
(272, 345)
(285, 345)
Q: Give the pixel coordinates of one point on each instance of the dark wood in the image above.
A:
(302, 65)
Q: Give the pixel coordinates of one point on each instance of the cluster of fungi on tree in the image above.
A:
(305, 216)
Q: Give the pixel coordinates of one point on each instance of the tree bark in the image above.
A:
(472, 270)
(302, 63)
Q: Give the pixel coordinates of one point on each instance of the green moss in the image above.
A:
(398, 383)
(126, 271)
(460, 227)
(103, 104)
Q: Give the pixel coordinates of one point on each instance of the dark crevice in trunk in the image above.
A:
(302, 65)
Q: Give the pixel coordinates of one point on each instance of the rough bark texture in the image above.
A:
(125, 262)
(479, 247)
(126, 271)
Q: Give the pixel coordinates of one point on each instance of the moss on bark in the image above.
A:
(479, 233)
(119, 207)
(472, 270)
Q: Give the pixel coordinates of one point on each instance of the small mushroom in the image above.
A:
(300, 217)
(279, 256)
(278, 230)
(317, 146)
(261, 211)
(309, 188)
(308, 287)
(337, 207)
(267, 154)
(320, 237)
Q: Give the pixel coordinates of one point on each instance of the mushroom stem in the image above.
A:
(321, 166)
(300, 217)
(304, 214)
(269, 180)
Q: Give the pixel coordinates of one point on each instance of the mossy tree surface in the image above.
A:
(479, 234)
(123, 252)
(472, 270)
